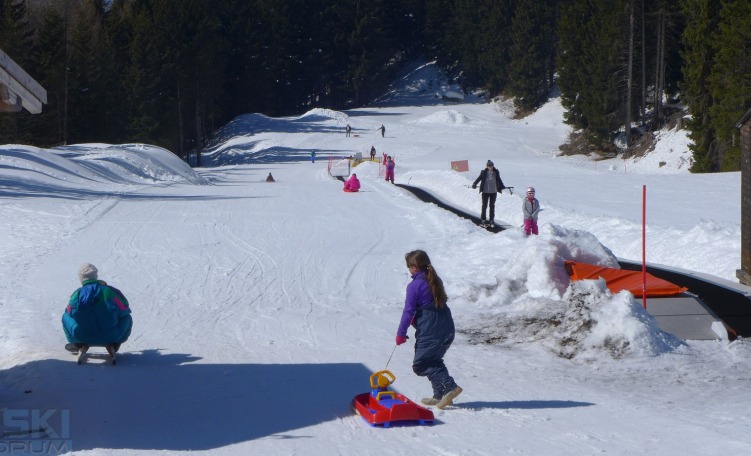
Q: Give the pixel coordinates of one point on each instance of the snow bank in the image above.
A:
(94, 165)
(444, 117)
(534, 302)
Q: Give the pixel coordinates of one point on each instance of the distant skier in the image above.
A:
(97, 314)
(530, 208)
(352, 184)
(490, 184)
(383, 131)
(270, 178)
(426, 309)
(348, 130)
(390, 165)
(372, 153)
(312, 156)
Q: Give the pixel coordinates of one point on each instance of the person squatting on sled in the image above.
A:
(426, 309)
(352, 184)
(97, 313)
(530, 208)
(490, 184)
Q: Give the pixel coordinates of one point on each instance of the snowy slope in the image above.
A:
(261, 308)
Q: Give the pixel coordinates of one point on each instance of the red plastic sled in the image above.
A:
(382, 407)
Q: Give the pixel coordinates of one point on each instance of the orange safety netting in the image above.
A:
(619, 279)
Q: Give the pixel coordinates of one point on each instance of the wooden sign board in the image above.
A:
(460, 165)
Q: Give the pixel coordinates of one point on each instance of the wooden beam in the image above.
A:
(18, 82)
(9, 101)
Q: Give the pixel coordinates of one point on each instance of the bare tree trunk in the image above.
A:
(663, 62)
(65, 77)
(180, 123)
(643, 67)
(659, 64)
(629, 82)
(199, 143)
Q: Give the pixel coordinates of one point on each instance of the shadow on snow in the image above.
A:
(154, 401)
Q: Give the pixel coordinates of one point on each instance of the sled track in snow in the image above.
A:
(428, 198)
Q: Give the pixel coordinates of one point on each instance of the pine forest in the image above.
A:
(169, 72)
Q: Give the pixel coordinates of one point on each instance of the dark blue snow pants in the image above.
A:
(434, 335)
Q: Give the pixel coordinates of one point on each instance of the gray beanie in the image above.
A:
(87, 271)
(489, 163)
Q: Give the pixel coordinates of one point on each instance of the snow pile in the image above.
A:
(321, 114)
(589, 322)
(449, 117)
(531, 299)
(88, 165)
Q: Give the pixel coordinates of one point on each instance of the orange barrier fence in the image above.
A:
(620, 279)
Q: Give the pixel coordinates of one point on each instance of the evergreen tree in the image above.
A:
(592, 40)
(532, 53)
(729, 80)
(702, 17)
(111, 94)
(49, 127)
(144, 76)
(374, 46)
(437, 33)
(478, 38)
(86, 57)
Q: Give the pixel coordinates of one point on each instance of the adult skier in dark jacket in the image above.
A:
(490, 184)
(425, 308)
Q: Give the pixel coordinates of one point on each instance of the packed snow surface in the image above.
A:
(261, 309)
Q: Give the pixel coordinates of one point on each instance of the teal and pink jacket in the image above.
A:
(97, 314)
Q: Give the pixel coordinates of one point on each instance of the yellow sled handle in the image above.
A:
(382, 379)
(385, 395)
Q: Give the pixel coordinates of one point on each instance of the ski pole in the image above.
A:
(392, 354)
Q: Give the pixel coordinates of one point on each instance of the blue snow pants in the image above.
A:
(434, 335)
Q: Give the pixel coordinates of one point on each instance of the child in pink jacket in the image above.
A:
(352, 184)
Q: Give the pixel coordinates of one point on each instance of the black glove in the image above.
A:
(474, 185)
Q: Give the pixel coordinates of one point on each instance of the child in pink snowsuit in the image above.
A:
(530, 207)
(352, 184)
(390, 169)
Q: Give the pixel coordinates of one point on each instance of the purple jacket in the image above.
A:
(418, 296)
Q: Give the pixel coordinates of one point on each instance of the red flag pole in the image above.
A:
(644, 245)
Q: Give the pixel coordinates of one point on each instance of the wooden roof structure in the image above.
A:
(18, 90)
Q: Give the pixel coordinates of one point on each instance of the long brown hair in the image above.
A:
(421, 260)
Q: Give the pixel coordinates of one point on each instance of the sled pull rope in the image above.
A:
(392, 354)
